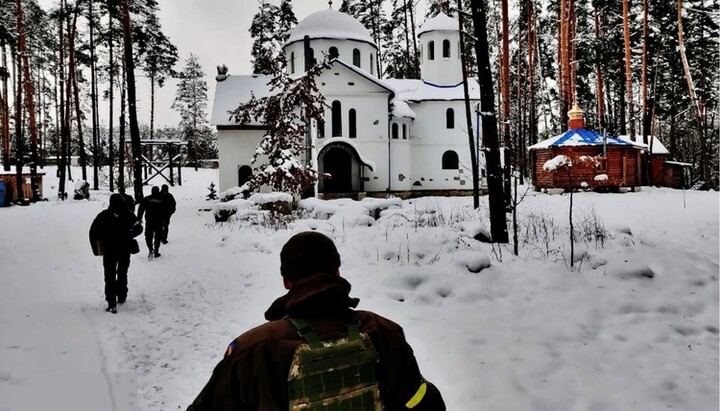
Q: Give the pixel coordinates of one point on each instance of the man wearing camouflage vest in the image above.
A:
(255, 371)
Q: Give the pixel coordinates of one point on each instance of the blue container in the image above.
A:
(2, 194)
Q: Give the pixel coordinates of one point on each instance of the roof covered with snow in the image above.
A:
(233, 91)
(331, 24)
(418, 90)
(441, 22)
(657, 146)
(402, 109)
(579, 137)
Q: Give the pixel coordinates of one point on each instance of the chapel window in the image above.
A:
(450, 160)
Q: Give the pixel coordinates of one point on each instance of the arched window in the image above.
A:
(431, 50)
(404, 131)
(292, 62)
(450, 118)
(333, 51)
(394, 131)
(446, 49)
(450, 160)
(352, 123)
(356, 57)
(244, 174)
(321, 128)
(372, 64)
(336, 119)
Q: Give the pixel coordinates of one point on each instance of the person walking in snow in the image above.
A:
(152, 207)
(169, 205)
(262, 367)
(112, 236)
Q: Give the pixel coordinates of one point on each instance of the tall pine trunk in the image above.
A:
(599, 79)
(30, 97)
(498, 223)
(76, 91)
(64, 133)
(111, 96)
(468, 116)
(692, 92)
(93, 97)
(505, 91)
(628, 70)
(5, 110)
(132, 110)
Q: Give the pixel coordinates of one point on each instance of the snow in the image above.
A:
(330, 24)
(418, 90)
(401, 109)
(601, 177)
(441, 22)
(556, 162)
(235, 90)
(634, 325)
(657, 146)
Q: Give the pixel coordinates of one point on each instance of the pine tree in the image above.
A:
(158, 57)
(191, 103)
(266, 45)
(287, 21)
(295, 101)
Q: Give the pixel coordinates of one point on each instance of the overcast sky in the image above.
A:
(217, 31)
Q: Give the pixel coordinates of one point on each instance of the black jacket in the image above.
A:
(153, 208)
(253, 374)
(112, 230)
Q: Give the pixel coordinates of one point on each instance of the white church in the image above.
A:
(380, 136)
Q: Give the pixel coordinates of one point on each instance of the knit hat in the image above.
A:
(308, 253)
(117, 202)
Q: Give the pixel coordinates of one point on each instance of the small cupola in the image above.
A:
(576, 117)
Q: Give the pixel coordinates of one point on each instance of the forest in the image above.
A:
(645, 69)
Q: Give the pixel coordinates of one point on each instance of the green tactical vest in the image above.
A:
(337, 375)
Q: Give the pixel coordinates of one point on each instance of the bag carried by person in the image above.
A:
(134, 246)
(333, 375)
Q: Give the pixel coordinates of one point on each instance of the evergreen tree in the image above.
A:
(287, 21)
(266, 45)
(284, 114)
(191, 103)
(158, 57)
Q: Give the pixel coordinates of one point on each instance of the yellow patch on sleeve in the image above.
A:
(415, 400)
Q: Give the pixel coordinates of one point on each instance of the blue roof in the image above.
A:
(580, 137)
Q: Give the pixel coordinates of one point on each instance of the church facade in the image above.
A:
(379, 136)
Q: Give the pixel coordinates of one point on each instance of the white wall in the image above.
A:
(441, 71)
(235, 148)
(321, 47)
(430, 139)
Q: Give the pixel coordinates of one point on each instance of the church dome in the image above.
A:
(330, 24)
(441, 22)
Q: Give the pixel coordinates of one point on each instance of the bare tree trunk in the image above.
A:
(628, 69)
(468, 116)
(152, 106)
(93, 97)
(72, 69)
(416, 60)
(563, 62)
(531, 39)
(691, 90)
(121, 141)
(505, 91)
(111, 98)
(498, 223)
(5, 110)
(30, 97)
(19, 146)
(599, 79)
(64, 133)
(130, 75)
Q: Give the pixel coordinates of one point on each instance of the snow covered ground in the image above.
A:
(634, 325)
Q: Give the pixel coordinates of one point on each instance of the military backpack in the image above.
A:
(336, 375)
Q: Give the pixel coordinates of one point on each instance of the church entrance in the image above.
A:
(338, 163)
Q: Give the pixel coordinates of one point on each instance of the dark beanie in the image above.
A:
(308, 253)
(117, 202)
